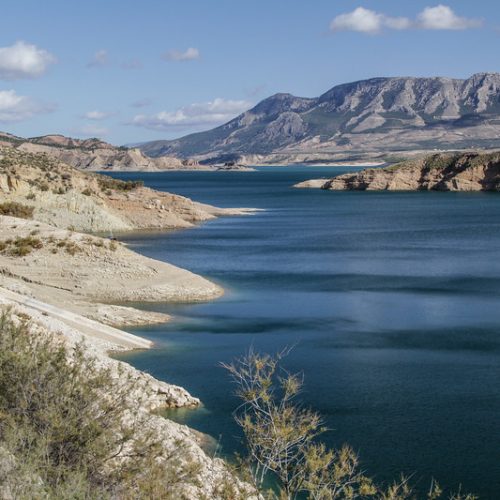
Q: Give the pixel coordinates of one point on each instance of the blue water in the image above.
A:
(392, 301)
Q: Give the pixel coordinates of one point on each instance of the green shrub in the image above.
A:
(69, 430)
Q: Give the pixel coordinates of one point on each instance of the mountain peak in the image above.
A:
(382, 113)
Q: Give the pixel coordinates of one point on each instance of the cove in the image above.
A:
(391, 301)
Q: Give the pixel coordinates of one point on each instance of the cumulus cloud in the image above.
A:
(97, 115)
(190, 54)
(14, 107)
(442, 17)
(209, 113)
(370, 22)
(24, 60)
(99, 60)
(367, 21)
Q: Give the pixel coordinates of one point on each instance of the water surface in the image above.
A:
(392, 301)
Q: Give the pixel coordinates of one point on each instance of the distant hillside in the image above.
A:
(439, 172)
(93, 154)
(380, 114)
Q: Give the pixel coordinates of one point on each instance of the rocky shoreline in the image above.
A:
(439, 172)
(146, 393)
(68, 283)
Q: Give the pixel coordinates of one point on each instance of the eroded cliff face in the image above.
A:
(440, 172)
(66, 197)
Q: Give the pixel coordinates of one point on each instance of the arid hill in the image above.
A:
(64, 197)
(439, 172)
(94, 154)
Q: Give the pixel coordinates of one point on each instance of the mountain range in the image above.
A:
(376, 115)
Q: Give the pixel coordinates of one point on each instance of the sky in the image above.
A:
(129, 71)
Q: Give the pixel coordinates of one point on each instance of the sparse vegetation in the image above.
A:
(68, 428)
(15, 209)
(441, 161)
(110, 184)
(20, 247)
(281, 437)
(72, 248)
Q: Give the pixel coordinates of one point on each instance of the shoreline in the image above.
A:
(373, 164)
(92, 276)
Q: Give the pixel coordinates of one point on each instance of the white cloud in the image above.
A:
(442, 17)
(14, 107)
(99, 60)
(96, 115)
(23, 60)
(190, 54)
(214, 112)
(370, 22)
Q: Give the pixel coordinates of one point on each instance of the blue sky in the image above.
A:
(131, 71)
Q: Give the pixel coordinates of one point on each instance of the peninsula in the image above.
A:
(440, 172)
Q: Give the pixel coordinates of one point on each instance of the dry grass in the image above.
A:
(15, 209)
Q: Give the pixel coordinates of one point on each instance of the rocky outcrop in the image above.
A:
(439, 172)
(66, 197)
(312, 183)
(376, 115)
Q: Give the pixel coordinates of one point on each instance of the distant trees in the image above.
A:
(281, 439)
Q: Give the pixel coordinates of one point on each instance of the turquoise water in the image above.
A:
(392, 301)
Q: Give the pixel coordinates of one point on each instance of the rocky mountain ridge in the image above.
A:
(379, 114)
